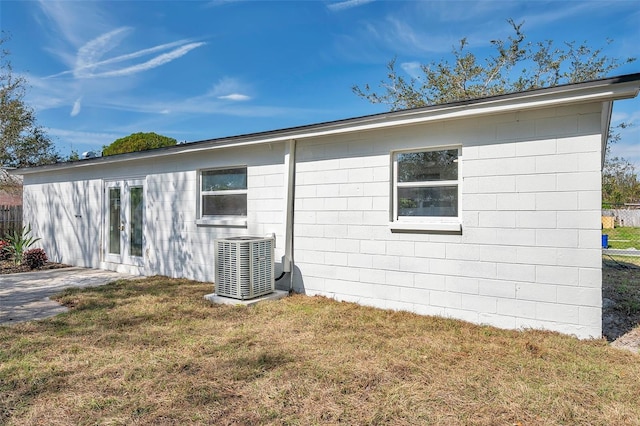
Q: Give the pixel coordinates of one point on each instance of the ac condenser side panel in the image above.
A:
(244, 267)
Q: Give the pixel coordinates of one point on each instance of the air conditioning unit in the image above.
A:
(244, 267)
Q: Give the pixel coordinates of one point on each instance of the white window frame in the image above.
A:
(425, 223)
(220, 220)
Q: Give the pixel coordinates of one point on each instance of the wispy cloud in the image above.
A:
(76, 107)
(561, 10)
(235, 97)
(347, 4)
(89, 62)
(87, 52)
(91, 52)
(151, 63)
(197, 105)
(73, 20)
(229, 89)
(627, 115)
(216, 3)
(412, 68)
(84, 138)
(398, 33)
(80, 70)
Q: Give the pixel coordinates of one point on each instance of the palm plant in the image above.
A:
(19, 241)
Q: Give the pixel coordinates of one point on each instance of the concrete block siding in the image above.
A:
(528, 254)
(525, 253)
(529, 251)
(174, 244)
(71, 232)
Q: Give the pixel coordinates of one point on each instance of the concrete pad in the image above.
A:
(25, 296)
(276, 295)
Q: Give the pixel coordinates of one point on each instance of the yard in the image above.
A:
(154, 352)
(621, 299)
(622, 238)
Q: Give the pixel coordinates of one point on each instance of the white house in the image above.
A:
(487, 210)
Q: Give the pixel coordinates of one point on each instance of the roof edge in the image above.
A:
(626, 86)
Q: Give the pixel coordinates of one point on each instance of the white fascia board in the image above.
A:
(490, 107)
(542, 98)
(605, 124)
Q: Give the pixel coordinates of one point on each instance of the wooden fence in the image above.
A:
(10, 219)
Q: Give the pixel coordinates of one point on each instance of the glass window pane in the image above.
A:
(217, 205)
(428, 166)
(220, 180)
(433, 201)
(114, 220)
(135, 246)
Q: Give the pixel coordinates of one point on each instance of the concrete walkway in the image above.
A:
(25, 296)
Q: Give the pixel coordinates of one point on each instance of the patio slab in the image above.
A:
(25, 296)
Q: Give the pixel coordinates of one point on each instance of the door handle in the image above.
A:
(122, 226)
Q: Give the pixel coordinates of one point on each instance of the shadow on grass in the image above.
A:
(119, 292)
(101, 307)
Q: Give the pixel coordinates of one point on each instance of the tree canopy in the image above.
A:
(620, 183)
(516, 65)
(22, 141)
(138, 142)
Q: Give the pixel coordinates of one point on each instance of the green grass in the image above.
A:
(623, 238)
(152, 351)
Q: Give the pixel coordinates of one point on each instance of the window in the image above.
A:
(426, 189)
(223, 196)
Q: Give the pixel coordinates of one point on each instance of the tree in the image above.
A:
(22, 141)
(9, 184)
(138, 142)
(516, 65)
(73, 156)
(620, 182)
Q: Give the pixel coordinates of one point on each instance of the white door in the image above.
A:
(124, 222)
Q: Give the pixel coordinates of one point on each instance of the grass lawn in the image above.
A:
(623, 238)
(154, 352)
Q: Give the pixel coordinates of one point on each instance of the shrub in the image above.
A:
(19, 242)
(34, 258)
(4, 250)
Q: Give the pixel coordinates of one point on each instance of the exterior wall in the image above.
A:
(528, 255)
(65, 209)
(66, 215)
(10, 189)
(10, 198)
(529, 251)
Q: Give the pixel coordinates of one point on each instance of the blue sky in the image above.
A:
(195, 70)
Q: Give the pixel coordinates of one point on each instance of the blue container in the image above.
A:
(605, 241)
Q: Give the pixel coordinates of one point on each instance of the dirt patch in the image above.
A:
(8, 267)
(621, 301)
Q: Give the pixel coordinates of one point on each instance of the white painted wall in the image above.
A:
(174, 245)
(529, 252)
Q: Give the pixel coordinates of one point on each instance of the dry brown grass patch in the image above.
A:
(154, 352)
